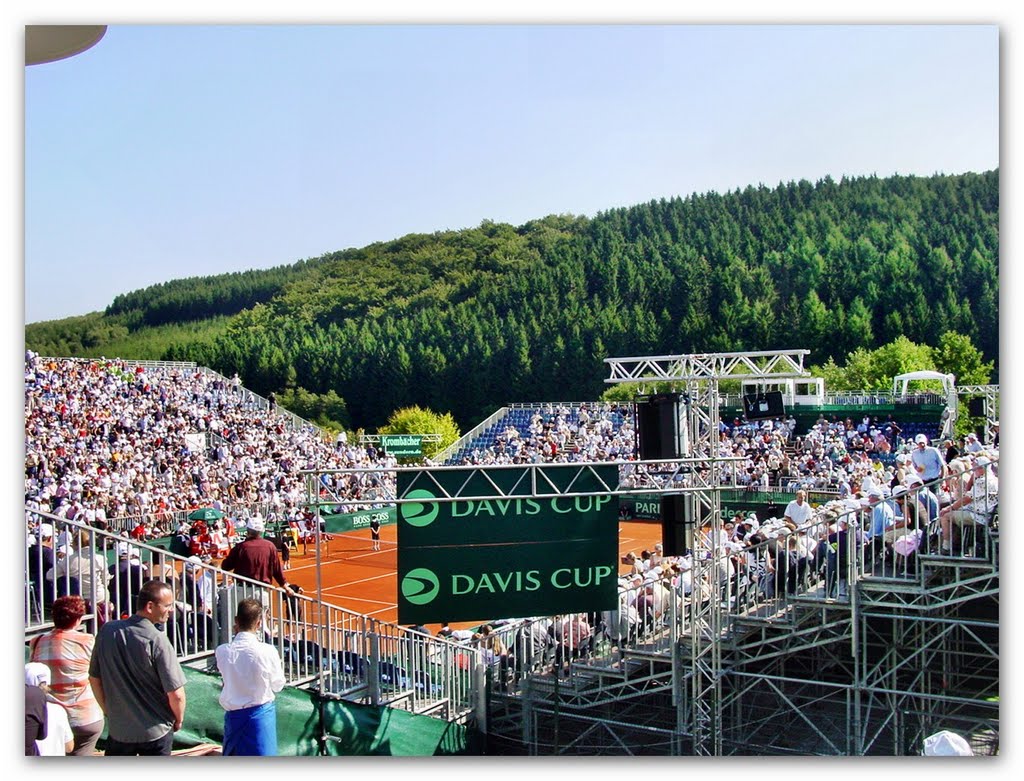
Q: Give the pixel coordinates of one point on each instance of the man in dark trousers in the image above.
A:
(256, 557)
(375, 532)
(137, 678)
(40, 561)
(126, 578)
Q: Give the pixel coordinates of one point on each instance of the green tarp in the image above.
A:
(355, 730)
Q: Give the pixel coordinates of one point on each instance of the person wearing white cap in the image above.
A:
(36, 721)
(41, 560)
(87, 564)
(883, 516)
(59, 740)
(905, 534)
(946, 744)
(256, 557)
(927, 460)
(972, 445)
(975, 506)
(928, 502)
(126, 578)
(837, 560)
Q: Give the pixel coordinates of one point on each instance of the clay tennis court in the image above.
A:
(357, 578)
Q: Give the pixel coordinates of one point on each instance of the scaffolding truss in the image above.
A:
(990, 397)
(872, 675)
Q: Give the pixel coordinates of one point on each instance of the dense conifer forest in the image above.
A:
(465, 321)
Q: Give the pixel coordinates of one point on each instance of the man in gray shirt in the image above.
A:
(137, 678)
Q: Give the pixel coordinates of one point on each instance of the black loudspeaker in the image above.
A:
(657, 426)
(762, 406)
(676, 529)
(976, 407)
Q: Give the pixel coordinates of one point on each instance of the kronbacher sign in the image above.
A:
(504, 558)
(402, 444)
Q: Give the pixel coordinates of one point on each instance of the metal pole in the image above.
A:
(314, 497)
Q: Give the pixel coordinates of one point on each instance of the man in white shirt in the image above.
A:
(798, 511)
(252, 674)
(927, 460)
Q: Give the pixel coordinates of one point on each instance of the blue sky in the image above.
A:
(170, 151)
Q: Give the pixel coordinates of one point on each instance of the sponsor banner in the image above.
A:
(345, 522)
(646, 507)
(481, 559)
(402, 445)
(488, 582)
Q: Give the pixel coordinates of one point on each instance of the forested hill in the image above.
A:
(464, 321)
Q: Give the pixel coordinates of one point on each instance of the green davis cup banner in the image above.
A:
(477, 559)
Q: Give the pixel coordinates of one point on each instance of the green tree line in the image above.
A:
(465, 321)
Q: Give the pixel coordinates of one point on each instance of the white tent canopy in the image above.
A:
(900, 382)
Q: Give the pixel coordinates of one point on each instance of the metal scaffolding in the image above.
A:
(699, 704)
(807, 675)
(872, 675)
(990, 396)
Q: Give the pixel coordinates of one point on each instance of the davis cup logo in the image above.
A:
(418, 514)
(420, 586)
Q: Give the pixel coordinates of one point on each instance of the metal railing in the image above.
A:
(848, 398)
(323, 647)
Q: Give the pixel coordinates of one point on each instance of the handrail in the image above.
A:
(847, 398)
(325, 647)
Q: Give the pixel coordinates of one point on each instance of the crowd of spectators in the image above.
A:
(887, 516)
(559, 433)
(109, 439)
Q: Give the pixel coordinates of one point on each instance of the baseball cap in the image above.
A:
(36, 673)
(122, 549)
(255, 524)
(982, 461)
(921, 438)
(946, 744)
(46, 531)
(191, 561)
